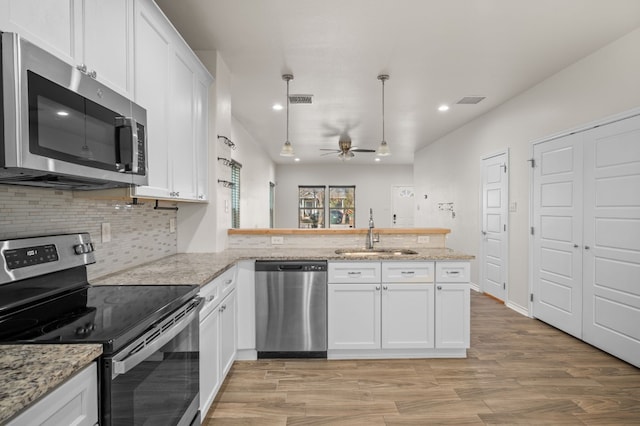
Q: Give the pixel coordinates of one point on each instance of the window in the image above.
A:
(235, 194)
(342, 206)
(311, 206)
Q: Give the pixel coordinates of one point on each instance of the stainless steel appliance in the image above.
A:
(149, 371)
(60, 127)
(291, 309)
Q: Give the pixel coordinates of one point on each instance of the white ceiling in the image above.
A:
(435, 51)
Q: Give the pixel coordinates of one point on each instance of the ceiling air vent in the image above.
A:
(300, 99)
(471, 100)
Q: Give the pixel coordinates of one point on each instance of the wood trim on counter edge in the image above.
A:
(341, 231)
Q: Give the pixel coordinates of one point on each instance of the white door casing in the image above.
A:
(557, 233)
(611, 249)
(495, 230)
(402, 206)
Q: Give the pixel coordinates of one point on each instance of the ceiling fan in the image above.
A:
(346, 151)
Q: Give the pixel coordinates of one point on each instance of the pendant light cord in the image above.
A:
(287, 110)
(383, 109)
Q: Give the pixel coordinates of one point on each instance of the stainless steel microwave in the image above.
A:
(61, 128)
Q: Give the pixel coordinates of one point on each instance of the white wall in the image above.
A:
(203, 227)
(256, 173)
(373, 188)
(601, 84)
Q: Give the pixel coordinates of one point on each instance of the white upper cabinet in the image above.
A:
(95, 36)
(172, 85)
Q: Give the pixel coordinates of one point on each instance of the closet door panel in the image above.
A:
(612, 239)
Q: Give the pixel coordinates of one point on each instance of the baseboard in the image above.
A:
(246, 355)
(475, 287)
(519, 309)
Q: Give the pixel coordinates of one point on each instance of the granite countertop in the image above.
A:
(29, 372)
(201, 268)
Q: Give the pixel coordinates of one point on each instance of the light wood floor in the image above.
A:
(518, 371)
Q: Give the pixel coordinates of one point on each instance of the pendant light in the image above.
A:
(287, 148)
(383, 149)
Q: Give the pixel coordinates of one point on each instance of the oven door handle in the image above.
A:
(143, 350)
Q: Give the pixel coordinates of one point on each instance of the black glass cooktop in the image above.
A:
(110, 315)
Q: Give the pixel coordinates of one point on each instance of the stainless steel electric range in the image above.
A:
(150, 367)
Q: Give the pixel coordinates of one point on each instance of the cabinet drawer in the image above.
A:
(453, 272)
(354, 272)
(407, 272)
(227, 281)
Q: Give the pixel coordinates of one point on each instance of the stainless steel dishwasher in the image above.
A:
(291, 309)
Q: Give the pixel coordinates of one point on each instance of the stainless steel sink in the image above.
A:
(375, 251)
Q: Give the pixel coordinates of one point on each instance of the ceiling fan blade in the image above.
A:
(363, 150)
(327, 149)
(329, 153)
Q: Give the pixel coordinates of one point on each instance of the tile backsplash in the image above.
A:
(139, 234)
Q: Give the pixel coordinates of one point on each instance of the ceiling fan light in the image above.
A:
(383, 149)
(287, 150)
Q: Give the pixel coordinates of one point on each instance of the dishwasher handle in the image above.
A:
(285, 267)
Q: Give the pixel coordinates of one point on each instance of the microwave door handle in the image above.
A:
(123, 166)
(129, 362)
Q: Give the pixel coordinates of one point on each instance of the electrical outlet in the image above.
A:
(106, 232)
(277, 240)
(424, 238)
(172, 225)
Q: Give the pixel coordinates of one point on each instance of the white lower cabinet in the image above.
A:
(75, 402)
(452, 315)
(403, 314)
(218, 335)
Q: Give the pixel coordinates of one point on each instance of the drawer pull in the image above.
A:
(453, 272)
(227, 282)
(354, 273)
(407, 272)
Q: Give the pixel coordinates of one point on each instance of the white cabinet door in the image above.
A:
(201, 129)
(75, 402)
(181, 127)
(228, 332)
(353, 316)
(153, 53)
(407, 316)
(107, 42)
(452, 323)
(46, 23)
(209, 359)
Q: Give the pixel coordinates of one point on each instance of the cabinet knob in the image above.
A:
(439, 287)
(377, 287)
(575, 246)
(82, 68)
(93, 74)
(384, 287)
(587, 247)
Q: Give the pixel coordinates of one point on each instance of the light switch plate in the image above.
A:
(277, 240)
(106, 232)
(513, 206)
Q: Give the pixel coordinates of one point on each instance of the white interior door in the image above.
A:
(557, 233)
(612, 239)
(494, 250)
(402, 206)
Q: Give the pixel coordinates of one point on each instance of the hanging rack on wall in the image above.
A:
(227, 141)
(157, 207)
(226, 183)
(225, 161)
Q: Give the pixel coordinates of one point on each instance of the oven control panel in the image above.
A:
(30, 256)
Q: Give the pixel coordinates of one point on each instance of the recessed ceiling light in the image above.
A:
(443, 108)
(377, 160)
(277, 107)
(62, 113)
(296, 160)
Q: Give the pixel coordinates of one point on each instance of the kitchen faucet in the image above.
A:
(371, 238)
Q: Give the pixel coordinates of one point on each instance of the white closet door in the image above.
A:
(612, 239)
(557, 238)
